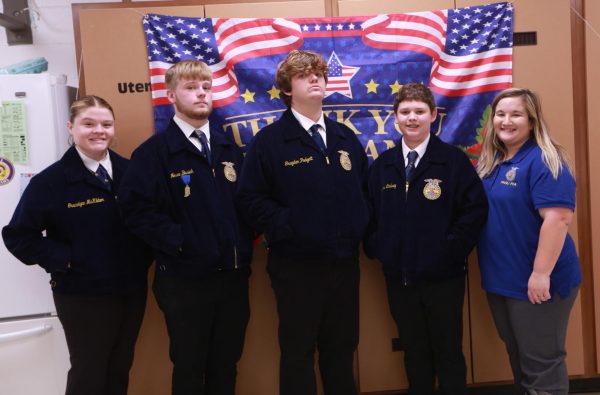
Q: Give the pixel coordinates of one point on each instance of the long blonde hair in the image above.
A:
(494, 151)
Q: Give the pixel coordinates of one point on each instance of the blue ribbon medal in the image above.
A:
(186, 180)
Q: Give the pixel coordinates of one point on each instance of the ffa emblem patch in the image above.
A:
(7, 171)
(229, 171)
(345, 160)
(511, 174)
(432, 190)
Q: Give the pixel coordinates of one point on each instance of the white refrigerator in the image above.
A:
(33, 352)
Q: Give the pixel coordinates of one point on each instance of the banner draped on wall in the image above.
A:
(464, 55)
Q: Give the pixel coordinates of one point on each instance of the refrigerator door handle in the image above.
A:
(18, 335)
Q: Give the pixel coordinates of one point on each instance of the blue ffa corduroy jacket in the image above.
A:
(86, 248)
(426, 233)
(307, 204)
(184, 209)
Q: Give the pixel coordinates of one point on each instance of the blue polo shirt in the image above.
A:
(516, 190)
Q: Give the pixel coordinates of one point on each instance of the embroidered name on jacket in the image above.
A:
(182, 173)
(306, 159)
(85, 202)
(388, 186)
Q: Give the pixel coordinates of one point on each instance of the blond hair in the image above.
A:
(493, 152)
(79, 106)
(189, 70)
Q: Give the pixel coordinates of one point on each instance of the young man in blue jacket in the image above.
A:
(178, 196)
(303, 185)
(429, 209)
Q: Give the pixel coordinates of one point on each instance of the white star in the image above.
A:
(503, 38)
(202, 20)
(192, 26)
(156, 52)
(328, 26)
(168, 24)
(340, 26)
(467, 16)
(305, 28)
(476, 31)
(456, 20)
(171, 35)
(505, 28)
(486, 33)
(181, 31)
(153, 42)
(194, 36)
(499, 6)
(187, 52)
(211, 60)
(149, 31)
(179, 20)
(177, 55)
(466, 26)
(173, 45)
(488, 14)
(454, 41)
(506, 18)
(169, 59)
(476, 20)
(185, 42)
(199, 56)
(487, 24)
(317, 27)
(477, 10)
(351, 26)
(197, 46)
(473, 50)
(158, 28)
(455, 31)
(203, 30)
(463, 47)
(208, 50)
(156, 18)
(205, 40)
(453, 51)
(464, 36)
(474, 41)
(492, 45)
(145, 21)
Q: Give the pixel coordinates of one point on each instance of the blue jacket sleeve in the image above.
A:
(144, 202)
(24, 236)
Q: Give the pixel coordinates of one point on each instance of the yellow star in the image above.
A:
(372, 86)
(273, 93)
(395, 87)
(248, 96)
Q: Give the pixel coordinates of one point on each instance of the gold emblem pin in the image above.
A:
(511, 174)
(345, 160)
(229, 171)
(432, 190)
(187, 191)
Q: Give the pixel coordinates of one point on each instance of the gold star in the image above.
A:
(273, 93)
(248, 96)
(395, 87)
(372, 86)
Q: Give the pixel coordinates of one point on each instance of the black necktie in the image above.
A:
(204, 143)
(103, 176)
(314, 132)
(410, 167)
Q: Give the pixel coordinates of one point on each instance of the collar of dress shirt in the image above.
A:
(92, 164)
(187, 129)
(307, 122)
(421, 148)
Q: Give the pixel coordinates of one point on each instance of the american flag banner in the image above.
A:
(464, 55)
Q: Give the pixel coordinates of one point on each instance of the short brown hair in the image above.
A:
(187, 69)
(415, 92)
(86, 102)
(298, 63)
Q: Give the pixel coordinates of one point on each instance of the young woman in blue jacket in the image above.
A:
(67, 222)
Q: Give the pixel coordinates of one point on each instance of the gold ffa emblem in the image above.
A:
(345, 160)
(229, 171)
(511, 174)
(432, 190)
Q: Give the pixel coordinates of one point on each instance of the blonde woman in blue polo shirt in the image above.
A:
(529, 266)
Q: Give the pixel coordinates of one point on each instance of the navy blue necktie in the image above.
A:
(103, 176)
(314, 132)
(204, 143)
(410, 167)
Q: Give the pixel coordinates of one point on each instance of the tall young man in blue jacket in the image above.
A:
(178, 196)
(303, 185)
(429, 209)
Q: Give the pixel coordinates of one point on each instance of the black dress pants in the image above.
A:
(429, 318)
(206, 320)
(101, 331)
(317, 304)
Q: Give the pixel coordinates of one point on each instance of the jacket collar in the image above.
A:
(293, 130)
(75, 170)
(177, 141)
(434, 154)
